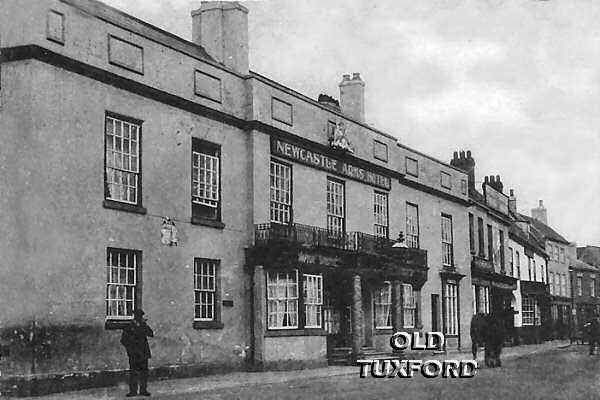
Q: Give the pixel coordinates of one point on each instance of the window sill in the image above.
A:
(115, 205)
(207, 222)
(115, 324)
(295, 332)
(207, 325)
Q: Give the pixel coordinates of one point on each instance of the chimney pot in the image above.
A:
(492, 179)
(356, 76)
(469, 154)
(541, 203)
(345, 77)
(455, 155)
(512, 192)
(462, 154)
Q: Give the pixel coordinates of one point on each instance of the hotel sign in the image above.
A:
(318, 160)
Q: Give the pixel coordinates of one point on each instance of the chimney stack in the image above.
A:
(494, 182)
(512, 202)
(540, 213)
(352, 97)
(466, 163)
(221, 28)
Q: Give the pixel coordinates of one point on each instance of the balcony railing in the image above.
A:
(312, 236)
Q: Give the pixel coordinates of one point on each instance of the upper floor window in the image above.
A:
(412, 225)
(123, 268)
(447, 241)
(563, 284)
(336, 215)
(380, 210)
(518, 265)
(551, 282)
(412, 167)
(206, 182)
(281, 193)
(383, 307)
(471, 233)
(529, 272)
(511, 261)
(445, 180)
(502, 260)
(579, 285)
(557, 287)
(562, 255)
(534, 269)
(490, 243)
(593, 286)
(122, 172)
(480, 237)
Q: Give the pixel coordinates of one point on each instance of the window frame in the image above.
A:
(481, 237)
(287, 299)
(318, 304)
(215, 322)
(451, 311)
(412, 238)
(579, 279)
(380, 303)
(118, 321)
(290, 211)
(472, 233)
(342, 231)
(379, 217)
(114, 203)
(450, 243)
(410, 309)
(592, 285)
(200, 212)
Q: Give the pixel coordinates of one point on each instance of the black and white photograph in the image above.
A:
(280, 200)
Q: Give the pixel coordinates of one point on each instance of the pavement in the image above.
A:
(173, 387)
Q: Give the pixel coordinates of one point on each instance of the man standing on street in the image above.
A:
(134, 338)
(594, 332)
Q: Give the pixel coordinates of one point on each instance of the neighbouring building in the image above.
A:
(492, 275)
(559, 253)
(532, 317)
(258, 228)
(584, 281)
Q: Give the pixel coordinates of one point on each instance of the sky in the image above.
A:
(516, 82)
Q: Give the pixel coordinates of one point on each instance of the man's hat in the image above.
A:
(138, 313)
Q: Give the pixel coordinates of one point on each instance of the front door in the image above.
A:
(337, 314)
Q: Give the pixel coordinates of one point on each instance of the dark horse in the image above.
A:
(494, 339)
(478, 329)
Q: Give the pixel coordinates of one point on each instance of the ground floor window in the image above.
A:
(408, 306)
(531, 311)
(282, 300)
(383, 307)
(481, 299)
(313, 300)
(122, 273)
(554, 313)
(205, 289)
(451, 308)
